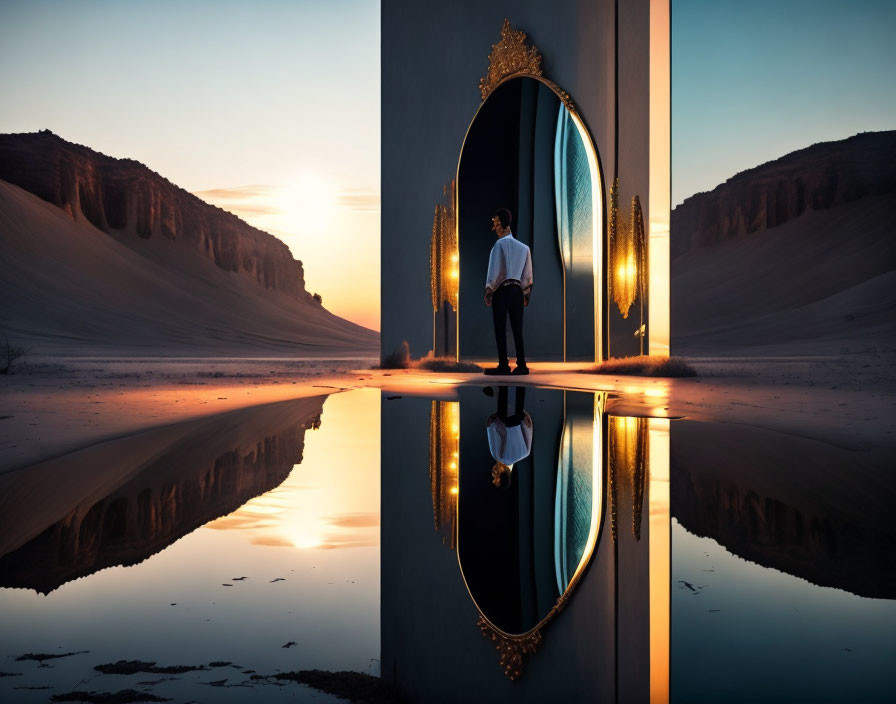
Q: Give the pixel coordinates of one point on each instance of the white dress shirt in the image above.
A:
(509, 259)
(509, 445)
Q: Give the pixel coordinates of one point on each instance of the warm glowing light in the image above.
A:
(659, 182)
(331, 499)
(660, 560)
(627, 252)
(443, 281)
(308, 203)
(304, 532)
(444, 452)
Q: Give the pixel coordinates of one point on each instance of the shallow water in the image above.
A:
(692, 561)
(317, 533)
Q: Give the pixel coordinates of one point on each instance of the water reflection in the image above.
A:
(780, 561)
(214, 543)
(519, 478)
(194, 473)
(523, 529)
(784, 563)
(781, 556)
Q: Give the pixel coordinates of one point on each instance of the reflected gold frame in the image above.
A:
(512, 647)
(512, 58)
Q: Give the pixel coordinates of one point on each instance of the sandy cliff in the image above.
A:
(123, 195)
(819, 177)
(794, 256)
(103, 255)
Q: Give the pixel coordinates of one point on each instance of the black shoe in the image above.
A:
(498, 371)
(520, 370)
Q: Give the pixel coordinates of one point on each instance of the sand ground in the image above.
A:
(50, 406)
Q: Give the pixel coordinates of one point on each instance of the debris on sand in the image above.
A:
(125, 696)
(131, 667)
(353, 686)
(40, 657)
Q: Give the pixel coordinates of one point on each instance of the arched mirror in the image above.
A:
(527, 150)
(529, 503)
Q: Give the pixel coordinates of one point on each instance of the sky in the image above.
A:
(271, 109)
(752, 81)
(268, 109)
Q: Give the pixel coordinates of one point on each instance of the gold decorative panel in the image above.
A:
(443, 259)
(513, 57)
(628, 254)
(444, 456)
(628, 458)
(510, 57)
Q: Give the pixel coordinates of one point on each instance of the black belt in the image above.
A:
(510, 282)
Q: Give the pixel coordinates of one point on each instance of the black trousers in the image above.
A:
(519, 410)
(508, 301)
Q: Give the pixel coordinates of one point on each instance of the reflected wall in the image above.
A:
(536, 586)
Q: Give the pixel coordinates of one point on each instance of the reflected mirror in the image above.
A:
(529, 500)
(527, 151)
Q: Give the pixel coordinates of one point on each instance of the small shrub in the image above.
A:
(9, 354)
(398, 359)
(645, 366)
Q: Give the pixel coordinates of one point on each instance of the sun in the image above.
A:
(306, 204)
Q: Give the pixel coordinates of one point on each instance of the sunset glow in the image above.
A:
(331, 499)
(285, 95)
(333, 231)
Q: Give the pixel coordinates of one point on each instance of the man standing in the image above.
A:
(507, 290)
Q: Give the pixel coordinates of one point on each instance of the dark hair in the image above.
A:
(500, 475)
(504, 216)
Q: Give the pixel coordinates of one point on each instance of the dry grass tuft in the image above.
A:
(446, 364)
(645, 366)
(401, 359)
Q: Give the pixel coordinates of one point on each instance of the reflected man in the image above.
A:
(509, 436)
(508, 286)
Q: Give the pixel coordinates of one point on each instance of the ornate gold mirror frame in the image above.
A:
(512, 58)
(513, 647)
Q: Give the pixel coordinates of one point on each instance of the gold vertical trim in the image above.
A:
(659, 556)
(659, 181)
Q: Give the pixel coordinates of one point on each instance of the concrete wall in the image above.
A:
(433, 56)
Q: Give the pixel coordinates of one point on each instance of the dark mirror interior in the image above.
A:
(525, 152)
(527, 509)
